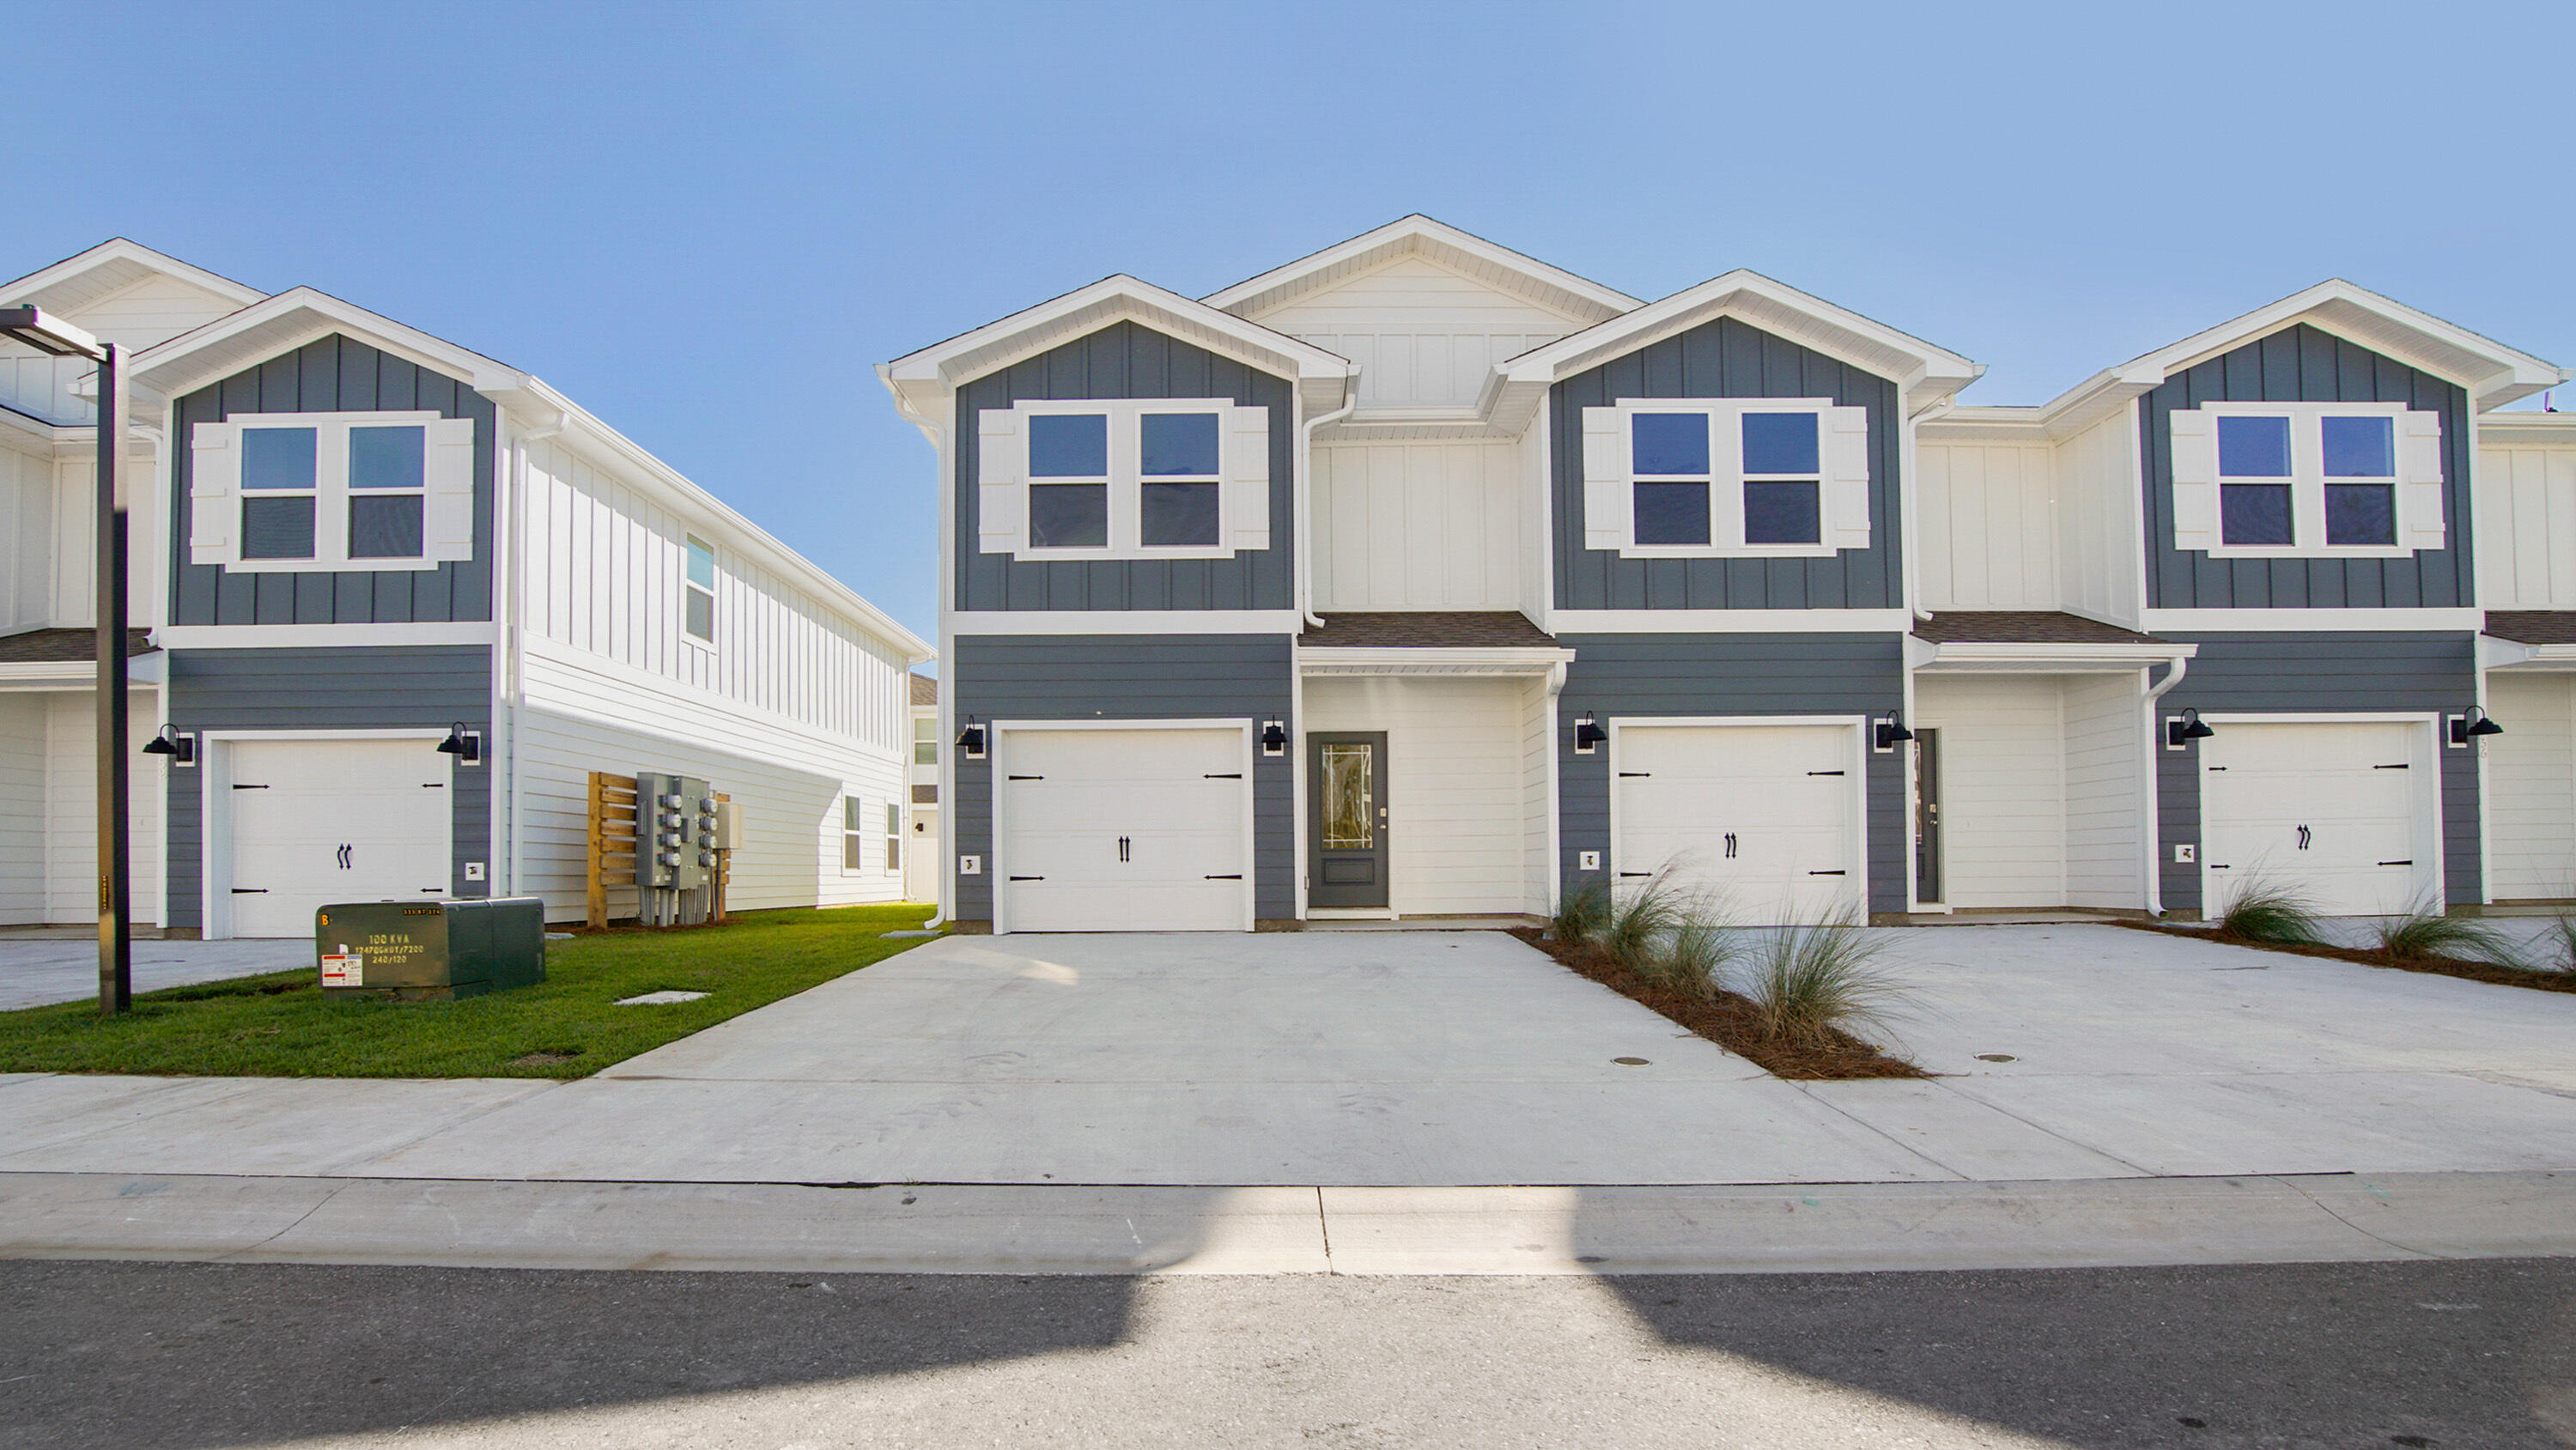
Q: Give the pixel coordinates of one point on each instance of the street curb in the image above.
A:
(1073, 1229)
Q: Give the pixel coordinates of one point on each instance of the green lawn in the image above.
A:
(279, 1026)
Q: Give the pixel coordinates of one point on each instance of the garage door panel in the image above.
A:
(2340, 812)
(1123, 830)
(294, 805)
(1761, 818)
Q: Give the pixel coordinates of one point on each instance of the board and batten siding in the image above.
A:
(29, 575)
(1431, 525)
(606, 570)
(22, 809)
(1630, 675)
(2101, 570)
(334, 374)
(1125, 360)
(2531, 786)
(1125, 677)
(2527, 525)
(2302, 364)
(1726, 359)
(1424, 336)
(2321, 674)
(1988, 522)
(369, 687)
(1457, 790)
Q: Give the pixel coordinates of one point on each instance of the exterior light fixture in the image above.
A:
(49, 335)
(1274, 737)
(466, 745)
(970, 741)
(1588, 734)
(2472, 726)
(1889, 731)
(182, 749)
(2185, 727)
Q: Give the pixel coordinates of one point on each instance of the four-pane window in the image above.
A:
(2302, 477)
(1737, 478)
(326, 491)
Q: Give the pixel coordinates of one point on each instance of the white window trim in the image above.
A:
(1242, 479)
(860, 833)
(688, 586)
(893, 837)
(446, 492)
(2419, 517)
(1842, 478)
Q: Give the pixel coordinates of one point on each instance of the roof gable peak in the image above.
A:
(1579, 299)
(110, 267)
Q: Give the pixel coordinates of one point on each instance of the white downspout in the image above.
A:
(515, 650)
(2147, 792)
(1303, 507)
(937, 433)
(1909, 530)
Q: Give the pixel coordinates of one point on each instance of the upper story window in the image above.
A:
(287, 492)
(925, 740)
(1738, 477)
(698, 611)
(2307, 479)
(1129, 478)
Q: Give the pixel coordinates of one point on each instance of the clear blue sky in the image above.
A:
(706, 222)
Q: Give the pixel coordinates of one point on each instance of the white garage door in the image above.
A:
(1766, 818)
(2341, 812)
(312, 822)
(1123, 830)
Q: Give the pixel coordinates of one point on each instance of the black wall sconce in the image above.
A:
(2473, 725)
(970, 741)
(466, 745)
(2185, 727)
(1888, 732)
(182, 749)
(1588, 734)
(1274, 737)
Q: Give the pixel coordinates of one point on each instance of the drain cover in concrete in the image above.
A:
(659, 999)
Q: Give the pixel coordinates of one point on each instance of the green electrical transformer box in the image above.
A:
(429, 951)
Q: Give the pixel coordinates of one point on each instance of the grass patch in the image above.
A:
(567, 1027)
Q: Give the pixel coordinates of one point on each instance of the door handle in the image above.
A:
(344, 857)
(2304, 838)
(1730, 845)
(1123, 848)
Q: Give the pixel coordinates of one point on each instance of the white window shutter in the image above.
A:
(1606, 496)
(1244, 499)
(1001, 478)
(448, 470)
(1846, 482)
(214, 492)
(2419, 480)
(2195, 479)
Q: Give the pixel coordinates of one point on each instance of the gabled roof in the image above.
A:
(76, 281)
(2493, 373)
(1580, 298)
(1927, 373)
(1322, 378)
(289, 320)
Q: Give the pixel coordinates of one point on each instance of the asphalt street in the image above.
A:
(2416, 1354)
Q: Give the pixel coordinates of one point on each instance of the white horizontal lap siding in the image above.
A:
(1457, 816)
(1988, 518)
(2526, 513)
(70, 797)
(2102, 565)
(2002, 788)
(23, 818)
(1418, 526)
(2102, 761)
(1538, 736)
(26, 541)
(2531, 787)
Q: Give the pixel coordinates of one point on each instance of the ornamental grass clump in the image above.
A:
(1642, 921)
(1695, 957)
(2562, 943)
(2425, 933)
(2267, 912)
(1814, 984)
(1581, 915)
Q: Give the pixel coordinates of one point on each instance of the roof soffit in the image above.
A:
(110, 267)
(1582, 300)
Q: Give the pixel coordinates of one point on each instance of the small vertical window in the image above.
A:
(854, 833)
(1783, 479)
(2254, 515)
(700, 619)
(925, 741)
(894, 836)
(1178, 459)
(278, 475)
(388, 475)
(1671, 459)
(1070, 508)
(2361, 479)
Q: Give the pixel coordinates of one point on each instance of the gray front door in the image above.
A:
(1347, 821)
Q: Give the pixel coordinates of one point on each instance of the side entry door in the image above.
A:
(1346, 782)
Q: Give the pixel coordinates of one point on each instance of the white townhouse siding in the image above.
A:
(1989, 526)
(1463, 814)
(2527, 511)
(24, 893)
(1425, 334)
(1433, 524)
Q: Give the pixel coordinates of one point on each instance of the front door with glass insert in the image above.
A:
(1346, 775)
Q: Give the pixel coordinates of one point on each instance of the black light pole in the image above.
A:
(115, 845)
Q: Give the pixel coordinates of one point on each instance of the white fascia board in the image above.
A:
(2493, 373)
(1553, 288)
(1429, 660)
(1322, 377)
(1563, 622)
(141, 672)
(2310, 621)
(288, 321)
(2545, 429)
(2513, 654)
(129, 260)
(2043, 657)
(705, 512)
(314, 636)
(1928, 373)
(1125, 621)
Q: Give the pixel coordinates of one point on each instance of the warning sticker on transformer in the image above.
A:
(343, 971)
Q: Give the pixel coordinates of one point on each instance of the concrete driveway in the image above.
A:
(35, 970)
(1425, 1059)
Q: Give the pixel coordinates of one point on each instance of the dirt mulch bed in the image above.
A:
(1730, 1021)
(2539, 981)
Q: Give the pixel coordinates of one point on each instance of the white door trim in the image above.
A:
(1858, 725)
(2428, 755)
(214, 814)
(999, 870)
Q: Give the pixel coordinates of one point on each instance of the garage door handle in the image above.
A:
(251, 890)
(2396, 863)
(1828, 873)
(1122, 849)
(1028, 878)
(1237, 876)
(2304, 838)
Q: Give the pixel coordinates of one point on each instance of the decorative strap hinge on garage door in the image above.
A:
(1828, 873)
(1229, 775)
(1634, 774)
(2389, 767)
(1825, 772)
(1024, 777)
(1028, 878)
(1237, 876)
